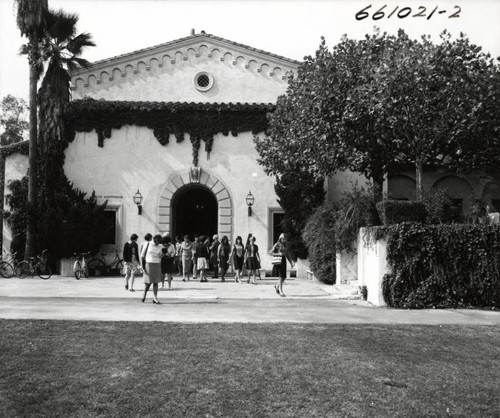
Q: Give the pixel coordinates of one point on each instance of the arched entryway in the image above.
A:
(195, 187)
(194, 211)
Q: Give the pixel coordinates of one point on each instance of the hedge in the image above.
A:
(319, 237)
(447, 265)
(397, 211)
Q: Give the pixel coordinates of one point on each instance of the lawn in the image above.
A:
(81, 369)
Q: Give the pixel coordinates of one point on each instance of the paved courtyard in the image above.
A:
(105, 298)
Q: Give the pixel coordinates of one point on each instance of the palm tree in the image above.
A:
(31, 15)
(62, 48)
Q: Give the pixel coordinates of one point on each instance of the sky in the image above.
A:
(292, 28)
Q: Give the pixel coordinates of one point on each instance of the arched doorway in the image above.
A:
(180, 183)
(195, 212)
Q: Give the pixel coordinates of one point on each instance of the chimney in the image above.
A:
(192, 31)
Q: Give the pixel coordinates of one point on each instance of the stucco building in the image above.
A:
(194, 162)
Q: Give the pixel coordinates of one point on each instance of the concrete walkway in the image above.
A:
(105, 299)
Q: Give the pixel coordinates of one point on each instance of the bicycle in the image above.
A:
(35, 265)
(80, 267)
(100, 264)
(8, 265)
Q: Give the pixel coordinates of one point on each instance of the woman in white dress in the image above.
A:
(152, 270)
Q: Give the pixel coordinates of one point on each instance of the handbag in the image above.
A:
(276, 259)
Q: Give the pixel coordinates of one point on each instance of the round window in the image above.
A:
(203, 81)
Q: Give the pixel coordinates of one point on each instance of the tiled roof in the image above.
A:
(174, 106)
(195, 36)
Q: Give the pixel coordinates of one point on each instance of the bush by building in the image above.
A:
(447, 265)
(319, 237)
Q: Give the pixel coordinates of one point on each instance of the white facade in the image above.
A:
(133, 159)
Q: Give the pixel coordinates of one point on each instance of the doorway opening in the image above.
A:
(195, 212)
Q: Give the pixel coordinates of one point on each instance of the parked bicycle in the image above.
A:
(99, 264)
(80, 267)
(8, 265)
(35, 265)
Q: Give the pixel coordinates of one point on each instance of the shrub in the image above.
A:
(299, 194)
(440, 209)
(319, 237)
(397, 211)
(354, 210)
(456, 265)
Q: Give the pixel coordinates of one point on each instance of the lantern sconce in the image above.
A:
(250, 201)
(138, 201)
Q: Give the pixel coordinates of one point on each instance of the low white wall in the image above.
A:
(346, 265)
(372, 266)
(302, 266)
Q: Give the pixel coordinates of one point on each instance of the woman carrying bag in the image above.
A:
(152, 254)
(281, 252)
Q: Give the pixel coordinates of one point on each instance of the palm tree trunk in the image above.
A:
(30, 249)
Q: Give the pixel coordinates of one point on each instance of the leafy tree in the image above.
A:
(299, 194)
(11, 119)
(371, 104)
(31, 15)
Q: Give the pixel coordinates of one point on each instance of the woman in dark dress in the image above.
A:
(281, 248)
(223, 257)
(237, 255)
(252, 259)
(167, 261)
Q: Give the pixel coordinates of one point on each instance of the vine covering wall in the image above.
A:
(454, 265)
(200, 120)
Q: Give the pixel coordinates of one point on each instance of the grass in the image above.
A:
(81, 369)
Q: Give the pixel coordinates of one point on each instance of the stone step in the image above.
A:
(344, 291)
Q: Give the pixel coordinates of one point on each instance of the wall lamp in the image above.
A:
(138, 201)
(250, 201)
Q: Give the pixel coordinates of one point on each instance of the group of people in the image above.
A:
(158, 258)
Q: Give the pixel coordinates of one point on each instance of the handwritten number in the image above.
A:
(456, 14)
(421, 13)
(379, 14)
(404, 12)
(428, 17)
(394, 11)
(362, 14)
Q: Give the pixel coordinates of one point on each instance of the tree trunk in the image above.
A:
(418, 174)
(30, 249)
(378, 189)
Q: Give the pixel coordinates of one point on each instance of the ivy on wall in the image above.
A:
(200, 120)
(447, 265)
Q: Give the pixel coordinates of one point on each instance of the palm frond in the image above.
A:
(61, 26)
(76, 45)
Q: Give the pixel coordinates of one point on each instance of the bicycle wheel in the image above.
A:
(85, 269)
(96, 267)
(121, 268)
(6, 269)
(23, 269)
(77, 270)
(44, 271)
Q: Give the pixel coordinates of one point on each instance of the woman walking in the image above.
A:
(281, 249)
(201, 254)
(130, 261)
(252, 260)
(223, 257)
(152, 271)
(167, 261)
(214, 249)
(237, 255)
(186, 255)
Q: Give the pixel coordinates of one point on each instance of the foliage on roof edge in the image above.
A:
(201, 120)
